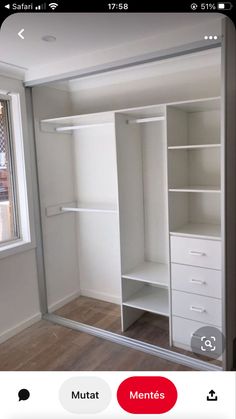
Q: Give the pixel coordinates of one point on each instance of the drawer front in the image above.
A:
(196, 280)
(197, 307)
(183, 329)
(196, 252)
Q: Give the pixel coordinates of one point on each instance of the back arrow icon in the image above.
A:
(20, 34)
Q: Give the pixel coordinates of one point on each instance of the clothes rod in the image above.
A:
(75, 127)
(143, 120)
(70, 209)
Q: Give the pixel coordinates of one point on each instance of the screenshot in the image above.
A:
(117, 210)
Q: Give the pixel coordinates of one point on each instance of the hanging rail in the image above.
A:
(143, 120)
(99, 124)
(75, 127)
(87, 209)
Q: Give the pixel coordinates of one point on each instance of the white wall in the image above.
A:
(19, 305)
(98, 233)
(56, 183)
(19, 302)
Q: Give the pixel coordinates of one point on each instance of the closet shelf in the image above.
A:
(193, 146)
(90, 208)
(67, 124)
(152, 299)
(206, 189)
(207, 231)
(150, 272)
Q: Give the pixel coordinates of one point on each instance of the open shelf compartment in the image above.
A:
(194, 170)
(209, 231)
(194, 124)
(195, 215)
(149, 298)
(150, 272)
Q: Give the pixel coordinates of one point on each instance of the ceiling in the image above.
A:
(81, 33)
(84, 35)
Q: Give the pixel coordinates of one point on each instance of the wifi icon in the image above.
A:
(53, 5)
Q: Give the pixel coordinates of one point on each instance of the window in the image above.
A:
(15, 221)
(9, 226)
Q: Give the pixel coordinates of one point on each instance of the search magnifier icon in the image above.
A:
(208, 344)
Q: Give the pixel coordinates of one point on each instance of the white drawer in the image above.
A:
(196, 252)
(182, 331)
(197, 307)
(196, 280)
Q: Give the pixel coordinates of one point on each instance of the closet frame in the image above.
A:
(229, 206)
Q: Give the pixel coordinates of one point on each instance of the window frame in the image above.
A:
(17, 168)
(12, 173)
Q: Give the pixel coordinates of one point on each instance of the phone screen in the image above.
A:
(117, 210)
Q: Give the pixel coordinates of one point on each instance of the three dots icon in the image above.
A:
(210, 37)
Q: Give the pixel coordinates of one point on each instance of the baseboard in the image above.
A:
(100, 296)
(19, 327)
(63, 301)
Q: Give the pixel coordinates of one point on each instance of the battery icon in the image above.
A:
(224, 6)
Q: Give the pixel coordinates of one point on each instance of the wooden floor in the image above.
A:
(150, 328)
(49, 347)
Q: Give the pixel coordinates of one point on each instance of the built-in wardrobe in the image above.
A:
(133, 204)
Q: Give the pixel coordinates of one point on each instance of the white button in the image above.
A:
(85, 395)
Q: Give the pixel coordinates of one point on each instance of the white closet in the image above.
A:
(142, 181)
(194, 183)
(148, 196)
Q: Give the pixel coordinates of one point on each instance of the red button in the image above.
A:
(147, 395)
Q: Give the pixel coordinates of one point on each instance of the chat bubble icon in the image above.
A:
(23, 394)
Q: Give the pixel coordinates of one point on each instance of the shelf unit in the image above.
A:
(194, 186)
(194, 169)
(150, 272)
(195, 214)
(149, 298)
(143, 215)
(208, 231)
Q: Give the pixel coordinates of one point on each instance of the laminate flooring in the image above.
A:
(49, 347)
(150, 328)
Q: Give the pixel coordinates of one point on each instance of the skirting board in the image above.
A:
(19, 327)
(100, 296)
(60, 303)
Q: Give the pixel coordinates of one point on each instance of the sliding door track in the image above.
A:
(166, 354)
